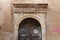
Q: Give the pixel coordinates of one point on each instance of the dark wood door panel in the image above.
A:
(29, 29)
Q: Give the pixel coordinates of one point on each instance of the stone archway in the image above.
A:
(39, 17)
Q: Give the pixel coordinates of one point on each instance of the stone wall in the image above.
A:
(52, 17)
(5, 16)
(6, 27)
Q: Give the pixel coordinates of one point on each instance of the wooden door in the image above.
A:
(29, 29)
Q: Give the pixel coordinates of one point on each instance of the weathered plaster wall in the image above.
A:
(52, 17)
(5, 16)
(53, 20)
(6, 28)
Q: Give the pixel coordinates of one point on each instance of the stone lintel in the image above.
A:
(30, 8)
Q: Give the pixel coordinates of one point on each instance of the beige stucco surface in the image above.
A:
(52, 17)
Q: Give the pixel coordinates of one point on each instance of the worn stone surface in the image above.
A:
(1, 35)
(8, 36)
(52, 17)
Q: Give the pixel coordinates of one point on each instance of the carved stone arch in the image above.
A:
(35, 16)
(27, 16)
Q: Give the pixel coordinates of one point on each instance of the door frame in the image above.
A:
(38, 17)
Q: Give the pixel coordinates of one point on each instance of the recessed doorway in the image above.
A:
(29, 29)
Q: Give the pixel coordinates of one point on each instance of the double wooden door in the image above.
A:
(29, 29)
